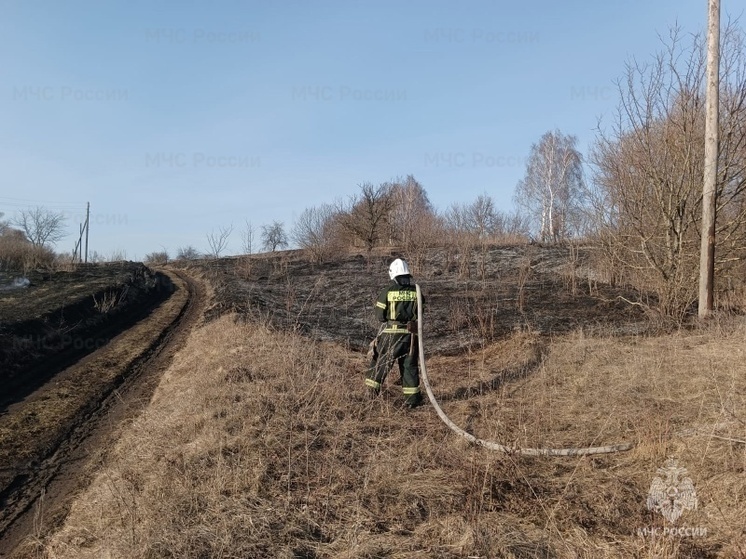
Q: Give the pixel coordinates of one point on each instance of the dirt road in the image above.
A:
(53, 439)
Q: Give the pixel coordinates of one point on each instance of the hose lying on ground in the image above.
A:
(492, 445)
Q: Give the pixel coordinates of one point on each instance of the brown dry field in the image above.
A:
(258, 441)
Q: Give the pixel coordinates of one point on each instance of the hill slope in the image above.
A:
(258, 443)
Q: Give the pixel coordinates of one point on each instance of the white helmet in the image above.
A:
(398, 268)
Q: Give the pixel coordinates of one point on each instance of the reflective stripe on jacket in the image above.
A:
(397, 305)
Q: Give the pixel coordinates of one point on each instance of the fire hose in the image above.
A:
(489, 444)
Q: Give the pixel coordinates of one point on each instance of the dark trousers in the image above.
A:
(396, 348)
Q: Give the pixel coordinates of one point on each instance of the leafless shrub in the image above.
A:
(483, 322)
(573, 262)
(469, 231)
(461, 237)
(117, 255)
(459, 313)
(364, 217)
(290, 294)
(317, 232)
(218, 242)
(280, 266)
(159, 258)
(648, 170)
(66, 263)
(474, 226)
(108, 300)
(96, 257)
(187, 253)
(431, 233)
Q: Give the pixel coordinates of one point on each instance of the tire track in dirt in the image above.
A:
(43, 489)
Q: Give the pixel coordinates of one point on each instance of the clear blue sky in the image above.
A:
(175, 118)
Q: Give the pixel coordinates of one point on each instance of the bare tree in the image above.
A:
(474, 225)
(515, 227)
(482, 219)
(42, 227)
(478, 219)
(649, 167)
(247, 238)
(316, 231)
(365, 218)
(411, 215)
(461, 236)
(485, 222)
(218, 241)
(549, 193)
(274, 236)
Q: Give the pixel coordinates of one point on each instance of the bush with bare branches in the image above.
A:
(364, 217)
(317, 231)
(218, 241)
(187, 253)
(157, 258)
(649, 168)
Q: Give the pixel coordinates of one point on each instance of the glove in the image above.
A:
(412, 326)
(373, 350)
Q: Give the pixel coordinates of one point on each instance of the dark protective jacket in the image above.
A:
(396, 305)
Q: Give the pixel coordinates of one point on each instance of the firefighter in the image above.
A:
(396, 306)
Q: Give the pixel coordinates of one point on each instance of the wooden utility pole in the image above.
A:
(707, 249)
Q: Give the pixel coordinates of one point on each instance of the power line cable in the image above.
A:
(25, 202)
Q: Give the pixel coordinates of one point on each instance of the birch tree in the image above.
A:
(549, 194)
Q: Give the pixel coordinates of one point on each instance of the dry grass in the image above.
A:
(17, 254)
(259, 444)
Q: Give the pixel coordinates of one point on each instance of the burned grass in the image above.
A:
(469, 301)
(58, 317)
